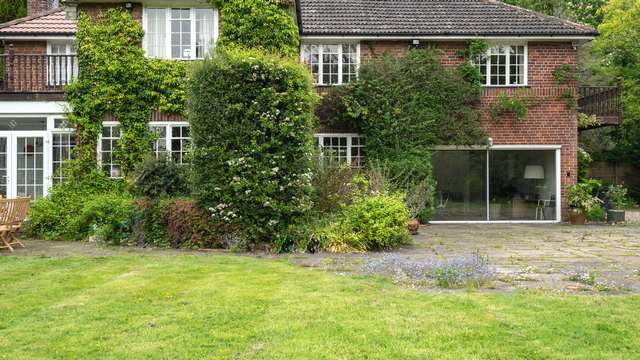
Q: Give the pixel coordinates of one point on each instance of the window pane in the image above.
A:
(522, 185)
(498, 66)
(349, 61)
(156, 33)
(330, 64)
(180, 34)
(461, 185)
(516, 68)
(204, 32)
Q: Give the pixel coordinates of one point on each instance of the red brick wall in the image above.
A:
(549, 122)
(26, 70)
(94, 9)
(35, 7)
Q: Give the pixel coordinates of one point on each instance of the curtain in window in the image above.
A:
(204, 32)
(156, 33)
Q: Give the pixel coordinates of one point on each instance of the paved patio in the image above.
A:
(525, 256)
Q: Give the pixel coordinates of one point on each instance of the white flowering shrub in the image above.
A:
(252, 124)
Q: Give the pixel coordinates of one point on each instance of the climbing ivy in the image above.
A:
(115, 77)
(267, 25)
(467, 69)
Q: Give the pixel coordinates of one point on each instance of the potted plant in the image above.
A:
(581, 201)
(416, 201)
(617, 198)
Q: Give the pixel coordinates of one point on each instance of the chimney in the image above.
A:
(35, 7)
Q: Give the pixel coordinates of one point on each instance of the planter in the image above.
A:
(413, 225)
(615, 216)
(577, 217)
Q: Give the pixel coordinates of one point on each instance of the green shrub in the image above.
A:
(617, 195)
(52, 217)
(191, 226)
(150, 227)
(369, 223)
(160, 178)
(258, 24)
(583, 195)
(108, 216)
(252, 127)
(596, 213)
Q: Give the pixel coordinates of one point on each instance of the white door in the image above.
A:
(23, 164)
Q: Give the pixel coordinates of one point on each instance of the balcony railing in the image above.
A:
(36, 73)
(602, 101)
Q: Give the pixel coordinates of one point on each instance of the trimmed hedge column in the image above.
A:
(251, 117)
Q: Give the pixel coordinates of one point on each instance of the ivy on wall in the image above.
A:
(115, 77)
(267, 25)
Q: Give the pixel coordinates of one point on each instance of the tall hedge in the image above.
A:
(252, 128)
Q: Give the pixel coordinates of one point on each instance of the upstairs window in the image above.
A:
(62, 62)
(503, 66)
(332, 64)
(179, 33)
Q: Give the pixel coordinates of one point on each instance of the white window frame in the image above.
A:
(349, 157)
(192, 17)
(168, 126)
(69, 131)
(71, 71)
(487, 54)
(99, 149)
(319, 80)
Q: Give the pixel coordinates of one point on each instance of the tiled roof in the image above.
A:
(428, 18)
(52, 22)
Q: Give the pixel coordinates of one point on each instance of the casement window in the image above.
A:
(172, 140)
(179, 33)
(504, 66)
(62, 144)
(62, 62)
(108, 143)
(342, 148)
(331, 64)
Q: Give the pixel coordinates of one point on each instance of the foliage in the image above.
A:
(160, 178)
(618, 47)
(587, 121)
(371, 222)
(569, 99)
(109, 216)
(404, 106)
(191, 226)
(52, 217)
(252, 159)
(471, 272)
(617, 195)
(331, 186)
(118, 79)
(12, 9)
(597, 213)
(150, 227)
(415, 198)
(564, 74)
(582, 196)
(267, 25)
(517, 104)
(584, 11)
(584, 160)
(466, 68)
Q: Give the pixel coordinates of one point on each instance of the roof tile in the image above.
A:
(429, 18)
(53, 22)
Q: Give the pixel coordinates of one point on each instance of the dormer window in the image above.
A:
(504, 66)
(179, 33)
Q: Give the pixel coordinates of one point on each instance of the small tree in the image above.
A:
(252, 128)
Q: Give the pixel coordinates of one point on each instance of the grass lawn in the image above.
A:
(191, 306)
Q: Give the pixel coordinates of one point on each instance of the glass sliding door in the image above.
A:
(522, 185)
(461, 177)
(30, 166)
(496, 185)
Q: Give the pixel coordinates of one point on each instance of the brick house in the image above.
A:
(520, 175)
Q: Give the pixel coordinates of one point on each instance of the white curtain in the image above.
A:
(204, 32)
(156, 44)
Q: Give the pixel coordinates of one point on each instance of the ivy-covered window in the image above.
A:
(331, 64)
(342, 148)
(503, 66)
(108, 143)
(179, 33)
(172, 140)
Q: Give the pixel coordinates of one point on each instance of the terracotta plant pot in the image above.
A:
(413, 225)
(577, 217)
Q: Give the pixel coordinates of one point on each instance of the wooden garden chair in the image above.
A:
(12, 215)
